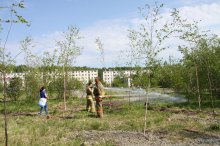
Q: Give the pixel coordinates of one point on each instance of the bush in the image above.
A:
(14, 88)
(57, 87)
(32, 85)
(214, 127)
(1, 87)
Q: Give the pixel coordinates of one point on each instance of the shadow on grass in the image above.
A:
(24, 114)
(77, 116)
(92, 115)
(194, 104)
(67, 117)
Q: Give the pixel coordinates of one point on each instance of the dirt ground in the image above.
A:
(123, 138)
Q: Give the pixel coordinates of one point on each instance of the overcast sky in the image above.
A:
(107, 19)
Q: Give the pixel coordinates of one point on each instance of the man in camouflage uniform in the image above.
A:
(90, 107)
(99, 94)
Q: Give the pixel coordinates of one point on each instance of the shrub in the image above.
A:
(14, 88)
(214, 127)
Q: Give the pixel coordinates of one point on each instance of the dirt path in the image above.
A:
(123, 138)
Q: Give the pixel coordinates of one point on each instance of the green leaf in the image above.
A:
(21, 19)
(21, 4)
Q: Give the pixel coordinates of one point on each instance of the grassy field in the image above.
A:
(26, 127)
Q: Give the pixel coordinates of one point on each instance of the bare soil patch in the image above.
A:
(123, 138)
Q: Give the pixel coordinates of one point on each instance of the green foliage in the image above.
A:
(214, 127)
(20, 106)
(120, 82)
(13, 10)
(175, 127)
(1, 87)
(69, 50)
(98, 125)
(140, 79)
(32, 85)
(56, 86)
(14, 89)
(132, 125)
(165, 76)
(29, 57)
(20, 68)
(147, 40)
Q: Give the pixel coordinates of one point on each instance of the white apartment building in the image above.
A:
(81, 75)
(109, 75)
(9, 76)
(84, 75)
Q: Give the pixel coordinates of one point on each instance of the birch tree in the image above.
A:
(31, 76)
(6, 58)
(100, 48)
(148, 40)
(190, 33)
(208, 60)
(69, 51)
(47, 67)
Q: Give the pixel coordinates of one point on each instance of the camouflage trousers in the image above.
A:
(99, 109)
(90, 106)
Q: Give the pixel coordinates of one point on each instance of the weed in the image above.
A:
(175, 127)
(95, 125)
(214, 127)
(99, 125)
(43, 130)
(76, 142)
(107, 143)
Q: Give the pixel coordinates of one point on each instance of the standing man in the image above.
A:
(99, 94)
(90, 107)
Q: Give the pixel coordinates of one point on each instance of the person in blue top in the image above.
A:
(43, 95)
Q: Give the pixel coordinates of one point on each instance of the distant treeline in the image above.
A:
(24, 68)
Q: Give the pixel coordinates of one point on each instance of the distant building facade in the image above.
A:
(109, 76)
(82, 75)
(9, 76)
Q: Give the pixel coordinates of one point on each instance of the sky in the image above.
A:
(108, 20)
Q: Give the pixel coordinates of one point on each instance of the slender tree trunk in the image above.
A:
(146, 105)
(189, 89)
(215, 92)
(210, 88)
(5, 111)
(148, 73)
(197, 84)
(187, 93)
(44, 78)
(64, 87)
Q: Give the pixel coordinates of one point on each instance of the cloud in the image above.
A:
(113, 34)
(208, 13)
(196, 2)
(210, 20)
